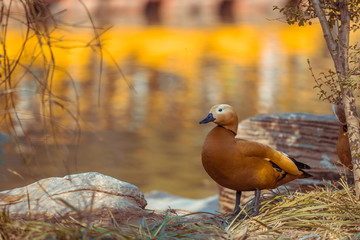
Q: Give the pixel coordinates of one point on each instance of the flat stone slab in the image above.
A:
(78, 195)
(162, 201)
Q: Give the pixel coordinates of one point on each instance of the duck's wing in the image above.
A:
(255, 149)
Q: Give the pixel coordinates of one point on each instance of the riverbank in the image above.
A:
(323, 213)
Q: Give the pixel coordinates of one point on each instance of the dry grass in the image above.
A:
(323, 213)
(326, 213)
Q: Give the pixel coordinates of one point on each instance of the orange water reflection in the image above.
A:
(145, 129)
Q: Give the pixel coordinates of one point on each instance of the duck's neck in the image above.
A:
(231, 127)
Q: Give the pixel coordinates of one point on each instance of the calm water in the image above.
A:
(144, 129)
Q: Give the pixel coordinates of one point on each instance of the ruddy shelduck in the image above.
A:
(342, 144)
(244, 165)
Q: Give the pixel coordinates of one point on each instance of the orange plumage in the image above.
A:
(244, 165)
(342, 144)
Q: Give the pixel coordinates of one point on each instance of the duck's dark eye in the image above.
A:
(220, 110)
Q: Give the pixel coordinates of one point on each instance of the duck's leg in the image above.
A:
(237, 203)
(256, 204)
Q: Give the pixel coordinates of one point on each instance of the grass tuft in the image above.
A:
(329, 211)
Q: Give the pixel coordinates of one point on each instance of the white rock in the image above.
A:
(76, 194)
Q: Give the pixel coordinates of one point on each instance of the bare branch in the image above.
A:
(344, 36)
(331, 44)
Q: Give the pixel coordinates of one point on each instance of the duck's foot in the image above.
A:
(255, 204)
(236, 213)
(244, 215)
(254, 213)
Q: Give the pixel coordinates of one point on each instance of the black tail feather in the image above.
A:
(301, 166)
(306, 175)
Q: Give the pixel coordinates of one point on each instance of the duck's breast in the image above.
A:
(225, 163)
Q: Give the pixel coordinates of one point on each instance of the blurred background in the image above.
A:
(130, 84)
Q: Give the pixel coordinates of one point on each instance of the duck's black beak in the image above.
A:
(209, 118)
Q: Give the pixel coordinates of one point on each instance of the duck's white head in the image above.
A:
(224, 115)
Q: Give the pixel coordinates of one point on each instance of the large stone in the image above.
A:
(308, 138)
(90, 196)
